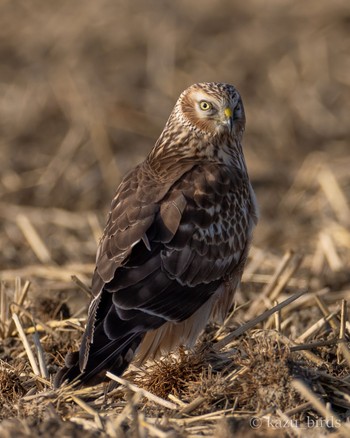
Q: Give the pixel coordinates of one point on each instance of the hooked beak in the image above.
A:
(228, 112)
(228, 120)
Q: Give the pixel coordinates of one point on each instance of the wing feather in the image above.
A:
(162, 256)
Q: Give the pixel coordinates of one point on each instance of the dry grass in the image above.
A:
(85, 89)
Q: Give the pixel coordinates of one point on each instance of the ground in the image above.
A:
(85, 89)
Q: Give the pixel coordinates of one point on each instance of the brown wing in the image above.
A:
(197, 238)
(133, 211)
(165, 251)
(214, 227)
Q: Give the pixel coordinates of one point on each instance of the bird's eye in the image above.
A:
(205, 106)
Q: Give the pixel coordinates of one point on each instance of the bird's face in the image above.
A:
(212, 108)
(207, 123)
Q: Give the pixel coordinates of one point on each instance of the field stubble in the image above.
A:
(83, 98)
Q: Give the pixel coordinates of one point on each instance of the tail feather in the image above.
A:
(70, 371)
(114, 357)
(99, 353)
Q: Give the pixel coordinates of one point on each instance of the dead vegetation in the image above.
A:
(85, 90)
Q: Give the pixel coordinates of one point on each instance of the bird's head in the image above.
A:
(207, 123)
(212, 109)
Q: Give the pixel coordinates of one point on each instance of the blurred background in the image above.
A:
(86, 88)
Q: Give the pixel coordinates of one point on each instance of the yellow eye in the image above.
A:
(205, 106)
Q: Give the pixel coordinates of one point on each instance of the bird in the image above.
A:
(176, 240)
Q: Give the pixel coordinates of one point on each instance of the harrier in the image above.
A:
(176, 240)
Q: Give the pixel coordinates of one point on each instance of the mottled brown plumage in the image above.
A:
(176, 240)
